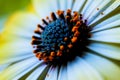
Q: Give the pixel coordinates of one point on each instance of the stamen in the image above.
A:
(44, 21)
(41, 27)
(53, 16)
(62, 38)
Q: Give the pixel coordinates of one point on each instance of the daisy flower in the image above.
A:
(62, 40)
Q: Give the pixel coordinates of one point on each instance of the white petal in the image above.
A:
(111, 51)
(17, 68)
(87, 5)
(69, 4)
(107, 22)
(52, 74)
(21, 25)
(16, 50)
(111, 35)
(107, 11)
(63, 73)
(3, 66)
(109, 70)
(53, 5)
(108, 26)
(27, 70)
(63, 4)
(91, 8)
(36, 73)
(78, 5)
(96, 12)
(81, 70)
(42, 7)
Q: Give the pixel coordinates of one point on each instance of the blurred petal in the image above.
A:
(63, 4)
(21, 24)
(92, 7)
(108, 50)
(27, 70)
(97, 10)
(52, 73)
(42, 7)
(111, 35)
(81, 70)
(109, 23)
(109, 9)
(88, 3)
(69, 4)
(17, 68)
(78, 5)
(107, 69)
(36, 73)
(63, 73)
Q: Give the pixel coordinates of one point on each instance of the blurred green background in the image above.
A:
(7, 7)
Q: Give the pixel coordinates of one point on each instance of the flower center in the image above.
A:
(62, 38)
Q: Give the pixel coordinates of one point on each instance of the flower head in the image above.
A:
(79, 41)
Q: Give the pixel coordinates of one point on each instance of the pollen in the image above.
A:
(62, 36)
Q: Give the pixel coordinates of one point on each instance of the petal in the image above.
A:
(21, 24)
(36, 73)
(52, 73)
(109, 23)
(81, 70)
(30, 68)
(78, 5)
(111, 35)
(97, 10)
(69, 4)
(54, 5)
(63, 73)
(112, 7)
(87, 4)
(109, 70)
(63, 4)
(108, 50)
(17, 68)
(44, 7)
(2, 67)
(91, 8)
(16, 50)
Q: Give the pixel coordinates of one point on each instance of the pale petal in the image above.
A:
(63, 4)
(108, 21)
(3, 66)
(81, 70)
(78, 5)
(109, 70)
(112, 7)
(42, 7)
(27, 70)
(91, 8)
(63, 73)
(108, 50)
(87, 4)
(108, 26)
(17, 68)
(21, 25)
(69, 4)
(36, 73)
(111, 35)
(52, 73)
(16, 50)
(97, 11)
(53, 5)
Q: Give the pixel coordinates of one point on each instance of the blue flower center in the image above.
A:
(61, 39)
(54, 34)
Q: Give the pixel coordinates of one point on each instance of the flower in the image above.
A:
(99, 61)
